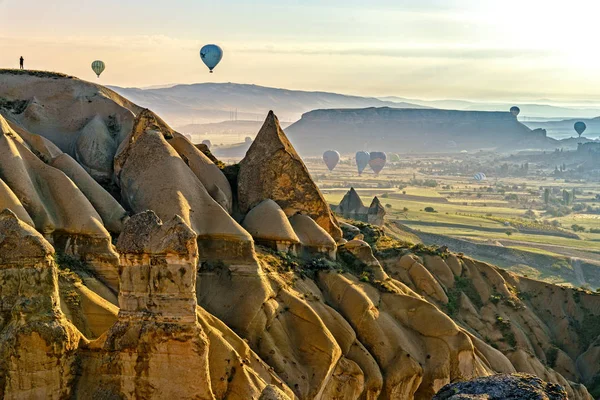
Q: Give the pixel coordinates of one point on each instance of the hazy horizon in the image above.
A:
(506, 51)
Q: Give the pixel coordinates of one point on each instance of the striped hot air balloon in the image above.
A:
(98, 67)
(377, 161)
(480, 176)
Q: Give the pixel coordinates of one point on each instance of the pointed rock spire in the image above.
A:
(273, 170)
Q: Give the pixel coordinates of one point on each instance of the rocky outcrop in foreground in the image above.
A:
(175, 276)
(502, 387)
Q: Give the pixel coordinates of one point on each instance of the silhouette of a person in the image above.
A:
(21, 62)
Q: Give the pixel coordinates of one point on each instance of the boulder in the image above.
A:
(268, 225)
(501, 387)
(273, 170)
(313, 238)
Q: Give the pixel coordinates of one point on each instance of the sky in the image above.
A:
(487, 50)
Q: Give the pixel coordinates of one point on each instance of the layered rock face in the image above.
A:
(163, 345)
(98, 119)
(146, 186)
(37, 342)
(406, 130)
(273, 170)
(204, 313)
(156, 349)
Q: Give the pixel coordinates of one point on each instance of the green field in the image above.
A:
(480, 212)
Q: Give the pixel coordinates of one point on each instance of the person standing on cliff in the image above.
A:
(21, 60)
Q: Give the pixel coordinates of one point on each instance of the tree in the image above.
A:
(508, 233)
(546, 196)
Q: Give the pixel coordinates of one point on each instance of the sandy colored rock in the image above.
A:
(157, 318)
(60, 108)
(9, 200)
(37, 343)
(313, 238)
(209, 174)
(108, 208)
(268, 224)
(273, 170)
(169, 187)
(55, 204)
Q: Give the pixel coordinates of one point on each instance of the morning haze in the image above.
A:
(299, 200)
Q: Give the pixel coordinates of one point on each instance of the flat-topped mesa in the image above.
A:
(273, 170)
(37, 343)
(158, 269)
(269, 226)
(153, 176)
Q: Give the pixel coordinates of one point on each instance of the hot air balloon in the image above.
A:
(207, 143)
(211, 55)
(98, 67)
(480, 176)
(514, 110)
(248, 139)
(331, 158)
(362, 160)
(580, 127)
(377, 161)
(394, 157)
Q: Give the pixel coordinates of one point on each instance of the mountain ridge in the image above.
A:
(215, 102)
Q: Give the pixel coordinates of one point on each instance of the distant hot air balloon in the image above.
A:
(580, 127)
(331, 158)
(211, 55)
(98, 67)
(480, 176)
(514, 110)
(377, 161)
(362, 160)
(394, 157)
(207, 143)
(248, 139)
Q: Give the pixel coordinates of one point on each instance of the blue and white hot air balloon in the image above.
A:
(480, 176)
(211, 55)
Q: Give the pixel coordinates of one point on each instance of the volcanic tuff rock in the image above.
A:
(204, 313)
(273, 170)
(37, 342)
(268, 225)
(352, 207)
